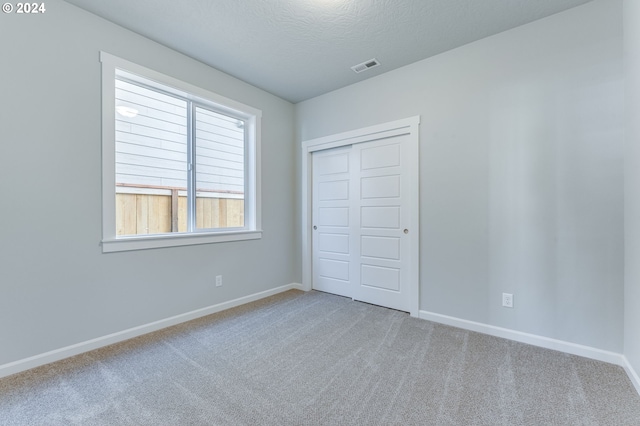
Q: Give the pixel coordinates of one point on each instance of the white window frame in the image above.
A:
(252, 116)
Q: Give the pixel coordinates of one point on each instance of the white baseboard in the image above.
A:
(78, 348)
(531, 339)
(633, 375)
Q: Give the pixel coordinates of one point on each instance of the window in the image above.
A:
(180, 164)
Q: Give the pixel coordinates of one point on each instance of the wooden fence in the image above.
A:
(156, 214)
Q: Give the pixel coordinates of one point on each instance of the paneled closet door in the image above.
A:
(381, 219)
(361, 234)
(333, 239)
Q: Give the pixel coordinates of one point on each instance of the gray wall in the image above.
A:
(521, 179)
(632, 184)
(56, 286)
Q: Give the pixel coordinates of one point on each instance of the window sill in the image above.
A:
(138, 242)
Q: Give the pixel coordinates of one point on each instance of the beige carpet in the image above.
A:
(313, 358)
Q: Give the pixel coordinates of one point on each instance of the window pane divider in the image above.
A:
(191, 174)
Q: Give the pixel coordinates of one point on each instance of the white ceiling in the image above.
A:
(298, 49)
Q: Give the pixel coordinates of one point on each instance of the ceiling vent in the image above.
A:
(371, 63)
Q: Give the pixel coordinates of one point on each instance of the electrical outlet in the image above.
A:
(218, 280)
(507, 300)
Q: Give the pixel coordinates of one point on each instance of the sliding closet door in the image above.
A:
(333, 239)
(360, 215)
(361, 233)
(381, 222)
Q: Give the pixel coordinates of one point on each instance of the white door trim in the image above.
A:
(408, 126)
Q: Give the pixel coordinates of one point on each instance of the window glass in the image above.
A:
(220, 170)
(151, 161)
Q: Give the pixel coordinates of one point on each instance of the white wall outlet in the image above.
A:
(507, 300)
(218, 280)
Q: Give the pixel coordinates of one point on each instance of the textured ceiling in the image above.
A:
(298, 49)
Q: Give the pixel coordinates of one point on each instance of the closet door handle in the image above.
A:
(406, 231)
(315, 227)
